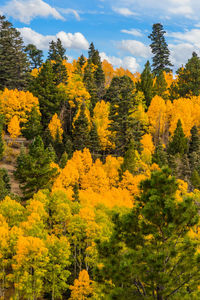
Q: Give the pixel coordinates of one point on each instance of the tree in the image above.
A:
(14, 127)
(120, 96)
(81, 132)
(178, 143)
(55, 128)
(160, 50)
(5, 187)
(146, 83)
(194, 143)
(56, 51)
(32, 127)
(188, 83)
(33, 170)
(13, 60)
(82, 288)
(160, 86)
(151, 253)
(35, 56)
(160, 155)
(1, 137)
(94, 143)
(49, 95)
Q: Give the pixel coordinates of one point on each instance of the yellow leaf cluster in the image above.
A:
(17, 103)
(55, 128)
(82, 288)
(14, 127)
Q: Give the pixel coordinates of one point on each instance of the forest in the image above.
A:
(99, 174)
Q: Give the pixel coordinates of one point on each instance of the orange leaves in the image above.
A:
(14, 127)
(17, 103)
(82, 288)
(55, 128)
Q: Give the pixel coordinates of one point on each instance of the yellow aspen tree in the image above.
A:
(82, 288)
(14, 127)
(55, 128)
(148, 148)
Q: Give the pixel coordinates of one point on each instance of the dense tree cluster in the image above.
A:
(109, 175)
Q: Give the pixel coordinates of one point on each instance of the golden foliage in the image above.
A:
(14, 127)
(55, 128)
(82, 288)
(17, 103)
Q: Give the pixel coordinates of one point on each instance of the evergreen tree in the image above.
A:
(160, 86)
(189, 78)
(33, 169)
(89, 81)
(146, 84)
(160, 50)
(63, 160)
(184, 169)
(194, 144)
(49, 95)
(94, 143)
(13, 60)
(195, 179)
(178, 144)
(5, 187)
(131, 158)
(75, 195)
(56, 51)
(123, 127)
(35, 56)
(33, 127)
(81, 134)
(150, 254)
(160, 156)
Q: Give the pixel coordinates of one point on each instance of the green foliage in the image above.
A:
(120, 96)
(13, 60)
(49, 95)
(63, 160)
(160, 86)
(35, 56)
(33, 169)
(33, 127)
(5, 187)
(150, 254)
(178, 143)
(189, 78)
(160, 156)
(131, 158)
(56, 51)
(160, 50)
(81, 133)
(94, 143)
(146, 83)
(195, 179)
(1, 137)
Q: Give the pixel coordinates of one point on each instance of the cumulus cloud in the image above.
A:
(134, 47)
(191, 36)
(180, 53)
(69, 40)
(26, 10)
(128, 62)
(124, 11)
(134, 32)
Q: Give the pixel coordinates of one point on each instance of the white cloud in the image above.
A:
(134, 47)
(191, 36)
(180, 53)
(69, 40)
(128, 62)
(184, 8)
(68, 11)
(126, 12)
(134, 32)
(26, 10)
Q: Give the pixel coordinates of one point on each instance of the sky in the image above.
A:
(119, 29)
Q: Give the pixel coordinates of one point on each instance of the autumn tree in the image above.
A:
(160, 86)
(143, 258)
(14, 127)
(13, 59)
(55, 128)
(5, 187)
(82, 288)
(1, 137)
(160, 50)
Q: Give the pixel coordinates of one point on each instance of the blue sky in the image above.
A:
(118, 28)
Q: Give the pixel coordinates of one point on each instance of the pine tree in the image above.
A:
(33, 127)
(194, 144)
(195, 179)
(63, 160)
(5, 187)
(178, 144)
(160, 50)
(160, 156)
(33, 169)
(151, 254)
(94, 144)
(35, 56)
(56, 51)
(120, 96)
(81, 133)
(188, 83)
(14, 65)
(49, 95)
(160, 86)
(131, 158)
(146, 84)
(1, 137)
